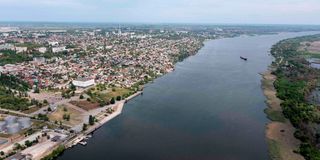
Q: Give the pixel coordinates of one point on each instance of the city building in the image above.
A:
(58, 49)
(83, 82)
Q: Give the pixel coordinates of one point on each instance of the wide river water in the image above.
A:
(209, 108)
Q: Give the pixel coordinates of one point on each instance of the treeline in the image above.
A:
(11, 57)
(13, 93)
(8, 100)
(13, 82)
(295, 80)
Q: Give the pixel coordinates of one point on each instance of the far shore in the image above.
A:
(279, 132)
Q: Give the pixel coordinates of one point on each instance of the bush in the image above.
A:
(28, 143)
(43, 117)
(36, 90)
(309, 152)
(112, 101)
(66, 117)
(91, 120)
(84, 127)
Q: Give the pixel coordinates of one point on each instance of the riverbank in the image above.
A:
(279, 132)
(102, 118)
(117, 110)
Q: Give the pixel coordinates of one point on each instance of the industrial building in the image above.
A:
(13, 124)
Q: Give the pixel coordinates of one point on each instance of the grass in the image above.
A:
(85, 105)
(311, 55)
(29, 45)
(274, 115)
(106, 95)
(274, 149)
(3, 135)
(31, 110)
(75, 116)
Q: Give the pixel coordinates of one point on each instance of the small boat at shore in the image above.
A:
(89, 135)
(243, 58)
(83, 143)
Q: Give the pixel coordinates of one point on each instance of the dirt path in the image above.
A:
(279, 134)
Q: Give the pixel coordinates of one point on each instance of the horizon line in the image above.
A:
(162, 23)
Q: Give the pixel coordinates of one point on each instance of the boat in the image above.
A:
(83, 143)
(89, 135)
(243, 58)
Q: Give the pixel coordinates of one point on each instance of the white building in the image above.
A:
(83, 82)
(42, 49)
(39, 60)
(6, 46)
(21, 49)
(58, 49)
(53, 43)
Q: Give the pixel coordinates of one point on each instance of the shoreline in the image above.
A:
(118, 107)
(279, 131)
(117, 111)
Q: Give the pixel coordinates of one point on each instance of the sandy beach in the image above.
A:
(279, 132)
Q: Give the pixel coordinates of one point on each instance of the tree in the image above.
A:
(66, 117)
(28, 143)
(73, 87)
(81, 96)
(102, 103)
(91, 120)
(43, 117)
(37, 90)
(45, 101)
(17, 146)
(88, 99)
(119, 98)
(84, 127)
(112, 101)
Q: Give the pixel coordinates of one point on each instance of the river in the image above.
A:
(210, 107)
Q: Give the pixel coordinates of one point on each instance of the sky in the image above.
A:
(164, 11)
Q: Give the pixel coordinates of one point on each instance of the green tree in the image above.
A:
(28, 143)
(91, 120)
(84, 127)
(37, 90)
(112, 101)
